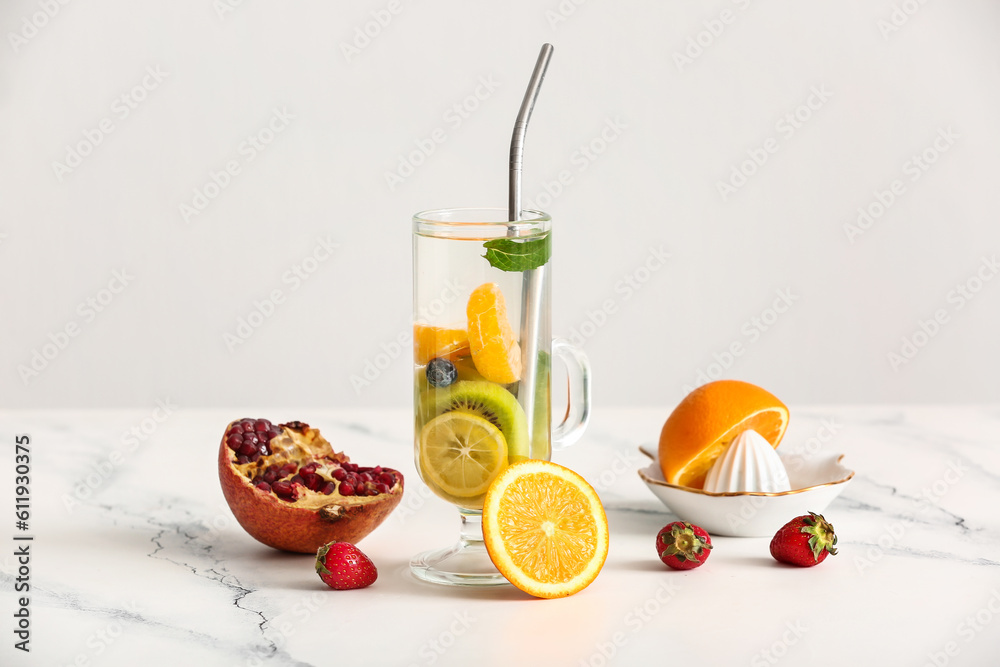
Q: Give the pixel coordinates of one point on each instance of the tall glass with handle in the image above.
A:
(483, 352)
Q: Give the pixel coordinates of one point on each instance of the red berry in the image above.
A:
(804, 541)
(342, 566)
(683, 545)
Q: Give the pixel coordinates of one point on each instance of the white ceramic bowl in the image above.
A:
(815, 482)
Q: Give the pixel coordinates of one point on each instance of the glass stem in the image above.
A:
(472, 527)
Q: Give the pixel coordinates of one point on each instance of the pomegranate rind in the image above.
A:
(284, 526)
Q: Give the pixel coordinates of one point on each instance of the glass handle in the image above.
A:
(578, 393)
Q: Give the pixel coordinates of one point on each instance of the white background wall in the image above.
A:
(677, 130)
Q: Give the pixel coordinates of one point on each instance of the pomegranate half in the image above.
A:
(290, 490)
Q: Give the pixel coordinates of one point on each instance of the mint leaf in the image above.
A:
(516, 255)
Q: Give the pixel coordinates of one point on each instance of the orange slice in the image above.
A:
(495, 351)
(545, 529)
(433, 342)
(703, 424)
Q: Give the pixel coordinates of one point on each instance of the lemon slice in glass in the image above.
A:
(462, 453)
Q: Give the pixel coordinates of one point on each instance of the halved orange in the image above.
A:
(494, 345)
(545, 528)
(433, 342)
(703, 424)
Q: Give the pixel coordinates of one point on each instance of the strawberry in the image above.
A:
(342, 566)
(682, 545)
(804, 541)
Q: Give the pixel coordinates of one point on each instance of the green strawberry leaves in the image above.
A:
(821, 535)
(684, 543)
(321, 559)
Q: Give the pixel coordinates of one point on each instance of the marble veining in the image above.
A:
(145, 559)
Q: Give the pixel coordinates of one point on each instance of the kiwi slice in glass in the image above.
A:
(488, 400)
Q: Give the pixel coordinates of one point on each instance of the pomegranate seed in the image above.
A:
(247, 448)
(270, 476)
(366, 477)
(235, 440)
(387, 479)
(261, 426)
(287, 469)
(250, 437)
(382, 488)
(297, 479)
(377, 470)
(339, 474)
(312, 481)
(274, 430)
(350, 467)
(247, 427)
(372, 491)
(255, 457)
(242, 459)
(265, 449)
(309, 468)
(328, 488)
(264, 486)
(282, 489)
(346, 489)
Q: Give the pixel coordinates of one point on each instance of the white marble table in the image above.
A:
(149, 567)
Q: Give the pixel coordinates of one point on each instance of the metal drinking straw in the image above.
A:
(531, 285)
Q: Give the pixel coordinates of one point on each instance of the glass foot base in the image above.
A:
(459, 565)
(466, 563)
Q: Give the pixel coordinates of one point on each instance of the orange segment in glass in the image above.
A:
(545, 529)
(495, 351)
(433, 342)
(703, 424)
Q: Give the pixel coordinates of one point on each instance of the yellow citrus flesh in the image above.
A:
(495, 351)
(545, 529)
(461, 453)
(703, 424)
(433, 342)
